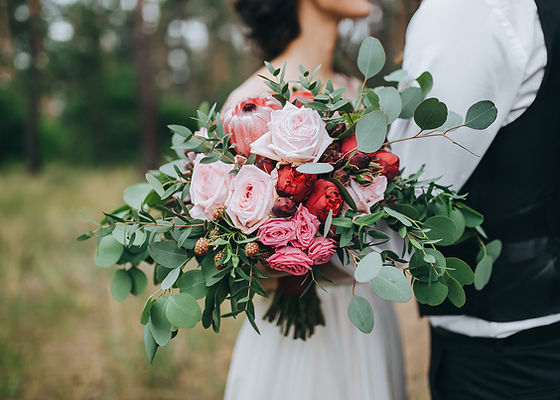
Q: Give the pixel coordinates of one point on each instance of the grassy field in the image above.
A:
(62, 336)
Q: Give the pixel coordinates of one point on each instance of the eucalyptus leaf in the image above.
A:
(156, 184)
(108, 252)
(472, 218)
(400, 217)
(361, 314)
(150, 344)
(396, 76)
(391, 284)
(426, 82)
(315, 168)
(135, 195)
(193, 283)
(167, 254)
(431, 293)
(139, 281)
(158, 324)
(371, 57)
(460, 270)
(169, 168)
(456, 294)
(410, 98)
(483, 272)
(121, 285)
(181, 130)
(441, 227)
(371, 131)
(430, 114)
(170, 279)
(453, 120)
(481, 115)
(183, 311)
(369, 267)
(390, 102)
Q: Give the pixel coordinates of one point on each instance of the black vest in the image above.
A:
(517, 187)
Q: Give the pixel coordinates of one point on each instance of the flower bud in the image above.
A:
(388, 162)
(341, 176)
(284, 207)
(359, 160)
(365, 177)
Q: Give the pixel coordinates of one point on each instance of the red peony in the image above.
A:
(389, 163)
(294, 184)
(349, 144)
(324, 196)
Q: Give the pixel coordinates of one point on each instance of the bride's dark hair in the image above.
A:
(272, 24)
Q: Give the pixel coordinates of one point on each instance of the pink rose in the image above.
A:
(277, 232)
(321, 250)
(306, 226)
(248, 120)
(366, 196)
(250, 199)
(297, 135)
(209, 187)
(291, 260)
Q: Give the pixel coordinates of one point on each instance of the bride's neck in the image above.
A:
(315, 44)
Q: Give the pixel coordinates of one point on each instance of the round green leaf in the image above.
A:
(158, 324)
(493, 249)
(426, 82)
(149, 344)
(121, 285)
(472, 218)
(145, 316)
(430, 114)
(481, 115)
(134, 195)
(183, 311)
(441, 227)
(396, 76)
(460, 271)
(315, 168)
(410, 98)
(169, 168)
(371, 57)
(167, 254)
(368, 267)
(430, 293)
(459, 220)
(400, 217)
(456, 294)
(108, 252)
(453, 120)
(139, 281)
(193, 283)
(390, 102)
(170, 279)
(371, 131)
(124, 233)
(483, 272)
(392, 285)
(361, 314)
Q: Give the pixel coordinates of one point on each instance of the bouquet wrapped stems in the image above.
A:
(296, 305)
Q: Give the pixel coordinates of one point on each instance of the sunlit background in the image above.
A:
(86, 90)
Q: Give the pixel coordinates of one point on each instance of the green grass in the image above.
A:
(62, 336)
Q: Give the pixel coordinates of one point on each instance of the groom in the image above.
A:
(505, 342)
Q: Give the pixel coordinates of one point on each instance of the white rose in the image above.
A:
(366, 196)
(251, 198)
(209, 187)
(297, 135)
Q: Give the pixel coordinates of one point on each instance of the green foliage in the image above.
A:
(361, 314)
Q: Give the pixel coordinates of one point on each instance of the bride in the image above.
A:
(338, 362)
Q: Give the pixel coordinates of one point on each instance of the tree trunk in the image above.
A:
(32, 152)
(150, 151)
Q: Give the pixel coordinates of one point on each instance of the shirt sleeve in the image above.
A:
(475, 50)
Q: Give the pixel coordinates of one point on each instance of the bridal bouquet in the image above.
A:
(285, 182)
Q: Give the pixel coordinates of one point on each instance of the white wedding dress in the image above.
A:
(337, 363)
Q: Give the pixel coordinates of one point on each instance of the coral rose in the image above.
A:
(324, 196)
(306, 227)
(292, 183)
(248, 120)
(250, 198)
(209, 187)
(296, 135)
(367, 196)
(321, 250)
(291, 260)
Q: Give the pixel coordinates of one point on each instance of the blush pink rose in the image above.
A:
(367, 196)
(248, 120)
(296, 135)
(277, 232)
(251, 197)
(321, 250)
(306, 227)
(291, 260)
(209, 187)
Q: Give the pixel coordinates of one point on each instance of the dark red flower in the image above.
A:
(324, 196)
(294, 184)
(389, 163)
(284, 207)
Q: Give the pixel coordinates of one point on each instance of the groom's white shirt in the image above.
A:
(475, 50)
